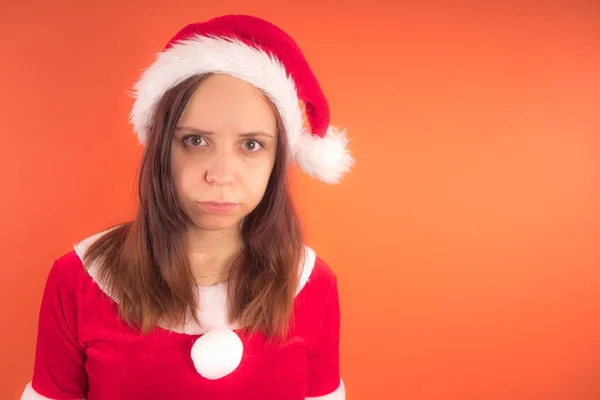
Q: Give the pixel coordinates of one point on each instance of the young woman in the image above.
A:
(210, 292)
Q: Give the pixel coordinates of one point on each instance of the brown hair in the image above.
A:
(144, 262)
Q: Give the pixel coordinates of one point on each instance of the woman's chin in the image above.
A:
(216, 222)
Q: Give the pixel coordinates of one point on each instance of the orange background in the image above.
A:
(467, 238)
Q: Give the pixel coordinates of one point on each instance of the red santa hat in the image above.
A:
(262, 54)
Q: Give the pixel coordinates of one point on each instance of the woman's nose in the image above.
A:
(220, 169)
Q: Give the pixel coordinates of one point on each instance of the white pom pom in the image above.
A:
(327, 158)
(217, 353)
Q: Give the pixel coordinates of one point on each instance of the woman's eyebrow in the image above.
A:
(209, 133)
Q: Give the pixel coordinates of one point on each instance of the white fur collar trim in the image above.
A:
(338, 394)
(212, 310)
(30, 394)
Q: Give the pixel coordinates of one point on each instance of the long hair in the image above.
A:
(144, 263)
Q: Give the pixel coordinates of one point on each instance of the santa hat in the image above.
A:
(262, 54)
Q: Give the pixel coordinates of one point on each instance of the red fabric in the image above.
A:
(268, 37)
(85, 350)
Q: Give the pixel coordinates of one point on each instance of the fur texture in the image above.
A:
(30, 394)
(326, 159)
(338, 394)
(217, 353)
(212, 308)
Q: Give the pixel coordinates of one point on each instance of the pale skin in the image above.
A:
(223, 150)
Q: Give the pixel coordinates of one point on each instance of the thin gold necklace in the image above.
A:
(212, 276)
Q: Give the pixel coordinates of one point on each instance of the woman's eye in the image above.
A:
(253, 145)
(194, 141)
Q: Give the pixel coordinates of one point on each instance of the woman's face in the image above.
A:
(223, 152)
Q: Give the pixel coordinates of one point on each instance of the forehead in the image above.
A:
(225, 104)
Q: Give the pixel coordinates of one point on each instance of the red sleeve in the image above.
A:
(324, 380)
(59, 369)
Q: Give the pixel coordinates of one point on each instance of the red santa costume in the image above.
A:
(86, 351)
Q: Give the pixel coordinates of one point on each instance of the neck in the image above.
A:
(212, 254)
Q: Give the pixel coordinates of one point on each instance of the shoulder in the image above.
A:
(318, 279)
(68, 274)
(317, 309)
(62, 294)
(66, 271)
(314, 269)
(71, 262)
